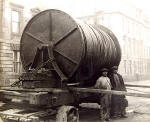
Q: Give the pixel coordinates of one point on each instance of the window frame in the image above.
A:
(15, 33)
(17, 66)
(19, 9)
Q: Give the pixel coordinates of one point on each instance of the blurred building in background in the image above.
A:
(133, 32)
(131, 27)
(13, 18)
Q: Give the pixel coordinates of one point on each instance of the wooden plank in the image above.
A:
(6, 69)
(73, 84)
(5, 47)
(6, 55)
(4, 43)
(14, 93)
(6, 58)
(6, 51)
(43, 113)
(12, 115)
(6, 65)
(5, 94)
(5, 62)
(11, 112)
(34, 98)
(34, 90)
(98, 91)
(25, 115)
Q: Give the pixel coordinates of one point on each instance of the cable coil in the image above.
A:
(102, 50)
(80, 50)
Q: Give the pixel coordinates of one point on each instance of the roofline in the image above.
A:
(116, 12)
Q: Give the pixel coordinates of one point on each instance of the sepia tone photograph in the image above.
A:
(74, 61)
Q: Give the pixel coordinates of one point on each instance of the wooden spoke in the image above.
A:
(34, 37)
(65, 56)
(50, 26)
(65, 36)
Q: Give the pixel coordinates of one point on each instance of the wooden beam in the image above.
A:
(5, 94)
(16, 89)
(98, 91)
(73, 84)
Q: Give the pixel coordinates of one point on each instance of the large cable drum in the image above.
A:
(80, 50)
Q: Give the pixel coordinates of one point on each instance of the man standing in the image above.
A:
(118, 102)
(123, 102)
(104, 83)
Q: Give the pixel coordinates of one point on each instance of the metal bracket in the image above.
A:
(54, 64)
(49, 47)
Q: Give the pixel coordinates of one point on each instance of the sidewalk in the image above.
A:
(143, 82)
(136, 104)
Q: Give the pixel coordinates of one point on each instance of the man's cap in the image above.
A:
(114, 68)
(104, 70)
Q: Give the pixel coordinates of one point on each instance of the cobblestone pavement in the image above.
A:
(138, 109)
(139, 113)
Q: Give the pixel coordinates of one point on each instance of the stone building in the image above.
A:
(14, 14)
(132, 29)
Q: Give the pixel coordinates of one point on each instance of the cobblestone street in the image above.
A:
(137, 113)
(138, 109)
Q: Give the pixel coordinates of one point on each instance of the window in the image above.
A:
(134, 67)
(16, 19)
(148, 67)
(129, 68)
(100, 19)
(125, 66)
(148, 51)
(15, 22)
(17, 68)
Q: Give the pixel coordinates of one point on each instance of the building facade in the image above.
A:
(133, 33)
(13, 17)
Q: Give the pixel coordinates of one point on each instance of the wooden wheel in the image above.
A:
(67, 114)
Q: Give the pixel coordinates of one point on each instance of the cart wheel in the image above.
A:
(67, 114)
